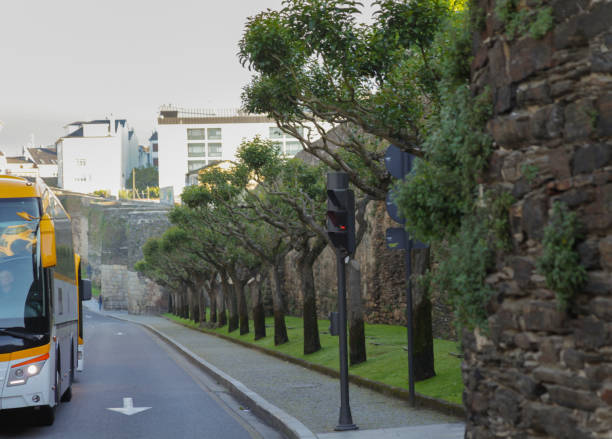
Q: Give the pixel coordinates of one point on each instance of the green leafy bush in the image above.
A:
(560, 262)
(101, 193)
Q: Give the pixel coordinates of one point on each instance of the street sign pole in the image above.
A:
(399, 165)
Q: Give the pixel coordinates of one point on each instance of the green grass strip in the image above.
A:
(387, 359)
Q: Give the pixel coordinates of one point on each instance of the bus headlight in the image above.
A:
(20, 373)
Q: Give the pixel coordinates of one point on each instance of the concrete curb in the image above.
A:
(277, 418)
(429, 402)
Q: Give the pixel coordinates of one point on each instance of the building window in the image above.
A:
(214, 150)
(292, 148)
(80, 179)
(276, 133)
(155, 162)
(195, 134)
(196, 164)
(197, 150)
(214, 133)
(81, 162)
(213, 162)
(155, 147)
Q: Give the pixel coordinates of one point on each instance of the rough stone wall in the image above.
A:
(109, 235)
(541, 372)
(114, 281)
(382, 277)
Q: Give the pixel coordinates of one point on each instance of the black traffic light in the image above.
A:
(340, 212)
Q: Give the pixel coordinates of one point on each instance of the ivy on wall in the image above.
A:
(560, 261)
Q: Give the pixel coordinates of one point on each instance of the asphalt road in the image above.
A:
(123, 360)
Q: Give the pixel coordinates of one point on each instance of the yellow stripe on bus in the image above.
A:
(41, 350)
(64, 278)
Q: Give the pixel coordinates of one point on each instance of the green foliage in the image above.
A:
(520, 20)
(442, 189)
(462, 270)
(144, 177)
(560, 262)
(104, 193)
(499, 204)
(529, 171)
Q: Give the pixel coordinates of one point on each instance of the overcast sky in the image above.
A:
(66, 60)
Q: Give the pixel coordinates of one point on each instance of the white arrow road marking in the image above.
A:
(119, 333)
(128, 408)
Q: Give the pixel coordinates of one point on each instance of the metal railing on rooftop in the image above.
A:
(202, 112)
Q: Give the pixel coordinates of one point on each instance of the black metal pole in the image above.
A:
(407, 165)
(345, 421)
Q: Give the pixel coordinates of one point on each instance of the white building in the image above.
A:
(21, 167)
(98, 154)
(45, 159)
(191, 139)
(153, 149)
(2, 163)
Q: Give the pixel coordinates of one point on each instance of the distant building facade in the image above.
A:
(46, 161)
(192, 139)
(98, 154)
(21, 166)
(2, 163)
(153, 149)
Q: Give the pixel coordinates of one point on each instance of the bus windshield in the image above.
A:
(23, 308)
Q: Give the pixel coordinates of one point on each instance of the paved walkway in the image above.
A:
(309, 397)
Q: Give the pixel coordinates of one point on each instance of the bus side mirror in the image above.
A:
(47, 242)
(86, 289)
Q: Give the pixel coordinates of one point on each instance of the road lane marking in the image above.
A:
(128, 408)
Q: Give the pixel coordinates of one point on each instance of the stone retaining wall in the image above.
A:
(541, 372)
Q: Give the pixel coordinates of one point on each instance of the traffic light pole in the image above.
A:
(409, 318)
(345, 421)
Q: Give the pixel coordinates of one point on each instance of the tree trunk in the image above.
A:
(170, 303)
(221, 305)
(422, 330)
(357, 343)
(311, 329)
(243, 311)
(202, 304)
(212, 296)
(280, 329)
(259, 318)
(230, 295)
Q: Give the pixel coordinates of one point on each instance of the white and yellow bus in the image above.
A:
(41, 293)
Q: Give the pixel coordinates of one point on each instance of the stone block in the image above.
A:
(597, 20)
(547, 122)
(590, 333)
(563, 9)
(603, 115)
(528, 56)
(602, 308)
(591, 157)
(543, 316)
(569, 34)
(605, 250)
(557, 422)
(536, 93)
(506, 404)
(572, 398)
(580, 119)
(534, 216)
(510, 131)
(598, 283)
(523, 268)
(601, 55)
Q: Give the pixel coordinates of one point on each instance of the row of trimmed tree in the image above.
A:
(346, 90)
